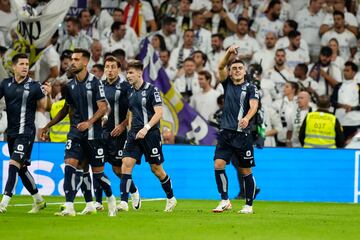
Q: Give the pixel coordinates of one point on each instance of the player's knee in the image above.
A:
(116, 170)
(97, 169)
(15, 163)
(127, 165)
(245, 171)
(158, 170)
(219, 164)
(72, 161)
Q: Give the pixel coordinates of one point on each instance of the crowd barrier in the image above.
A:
(283, 174)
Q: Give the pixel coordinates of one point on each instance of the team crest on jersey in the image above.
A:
(72, 86)
(26, 86)
(88, 85)
(143, 93)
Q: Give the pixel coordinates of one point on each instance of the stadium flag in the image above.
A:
(178, 115)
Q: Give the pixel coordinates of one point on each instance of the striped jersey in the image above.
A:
(83, 97)
(237, 104)
(21, 101)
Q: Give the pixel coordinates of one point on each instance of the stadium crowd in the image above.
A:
(300, 50)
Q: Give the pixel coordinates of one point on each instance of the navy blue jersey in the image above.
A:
(21, 101)
(82, 98)
(237, 104)
(117, 97)
(142, 103)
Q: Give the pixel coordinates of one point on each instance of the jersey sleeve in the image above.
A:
(100, 92)
(155, 97)
(39, 91)
(68, 98)
(253, 92)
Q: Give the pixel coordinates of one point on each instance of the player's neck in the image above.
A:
(138, 84)
(19, 79)
(111, 81)
(238, 82)
(81, 76)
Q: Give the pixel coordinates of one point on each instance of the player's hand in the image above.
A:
(233, 49)
(83, 126)
(44, 134)
(104, 120)
(314, 74)
(347, 108)
(244, 122)
(119, 129)
(47, 88)
(141, 134)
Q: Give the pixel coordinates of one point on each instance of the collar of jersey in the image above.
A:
(86, 78)
(27, 78)
(114, 83)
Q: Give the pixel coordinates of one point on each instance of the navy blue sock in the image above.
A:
(28, 181)
(104, 182)
(78, 179)
(97, 190)
(249, 189)
(86, 187)
(133, 188)
(11, 181)
(125, 184)
(166, 185)
(70, 183)
(222, 183)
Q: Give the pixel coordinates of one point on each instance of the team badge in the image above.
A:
(26, 86)
(88, 85)
(143, 93)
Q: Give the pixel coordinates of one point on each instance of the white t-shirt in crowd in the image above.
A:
(265, 57)
(110, 45)
(348, 94)
(174, 57)
(284, 43)
(346, 41)
(278, 80)
(49, 59)
(350, 19)
(205, 103)
(247, 45)
(284, 107)
(262, 25)
(293, 58)
(272, 121)
(332, 70)
(294, 123)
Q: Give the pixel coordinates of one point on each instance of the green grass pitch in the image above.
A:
(192, 219)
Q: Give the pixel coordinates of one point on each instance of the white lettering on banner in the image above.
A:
(154, 66)
(199, 129)
(45, 184)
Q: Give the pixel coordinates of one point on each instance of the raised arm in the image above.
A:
(224, 62)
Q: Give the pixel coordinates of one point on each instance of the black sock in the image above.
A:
(125, 184)
(222, 183)
(28, 180)
(11, 181)
(166, 185)
(70, 183)
(78, 179)
(104, 182)
(249, 189)
(133, 188)
(86, 187)
(97, 190)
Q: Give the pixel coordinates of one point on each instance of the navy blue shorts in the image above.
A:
(238, 145)
(150, 146)
(20, 147)
(114, 148)
(91, 151)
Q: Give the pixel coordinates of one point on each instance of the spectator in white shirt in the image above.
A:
(296, 118)
(168, 31)
(326, 74)
(269, 22)
(265, 56)
(336, 59)
(284, 107)
(158, 43)
(328, 22)
(170, 71)
(74, 38)
(294, 53)
(273, 125)
(241, 8)
(96, 54)
(100, 17)
(216, 53)
(305, 82)
(202, 35)
(309, 21)
(278, 76)
(347, 40)
(284, 42)
(346, 100)
(183, 17)
(179, 54)
(218, 20)
(247, 44)
(187, 81)
(116, 40)
(86, 26)
(205, 101)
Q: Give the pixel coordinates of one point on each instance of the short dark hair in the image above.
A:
(326, 51)
(82, 11)
(293, 24)
(138, 65)
(74, 20)
(353, 66)
(85, 53)
(336, 12)
(236, 60)
(167, 20)
(206, 74)
(243, 19)
(219, 35)
(119, 53)
(203, 55)
(18, 56)
(116, 26)
(118, 10)
(323, 102)
(303, 67)
(294, 34)
(189, 59)
(99, 66)
(280, 50)
(294, 85)
(189, 30)
(166, 50)
(197, 13)
(272, 3)
(112, 59)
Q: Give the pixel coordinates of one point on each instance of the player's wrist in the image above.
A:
(147, 126)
